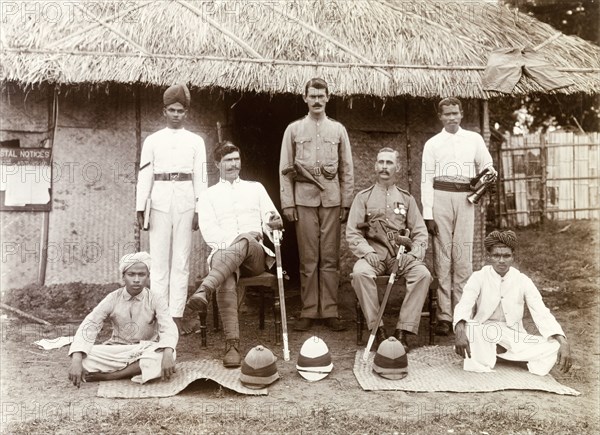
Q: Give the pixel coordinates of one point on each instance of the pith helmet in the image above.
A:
(390, 360)
(259, 368)
(314, 362)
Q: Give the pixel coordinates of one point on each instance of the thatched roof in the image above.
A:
(385, 48)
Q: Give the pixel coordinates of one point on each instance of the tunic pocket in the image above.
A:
(331, 146)
(304, 148)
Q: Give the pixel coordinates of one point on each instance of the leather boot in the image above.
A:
(232, 357)
(400, 335)
(380, 336)
(200, 299)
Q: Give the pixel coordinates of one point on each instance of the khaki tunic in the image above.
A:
(399, 209)
(316, 144)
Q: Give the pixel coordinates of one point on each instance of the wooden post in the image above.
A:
(544, 177)
(408, 144)
(573, 184)
(138, 152)
(219, 133)
(52, 119)
(480, 213)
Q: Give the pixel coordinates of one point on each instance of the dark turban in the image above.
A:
(498, 238)
(177, 94)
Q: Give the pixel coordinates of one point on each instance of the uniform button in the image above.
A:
(318, 148)
(318, 135)
(387, 206)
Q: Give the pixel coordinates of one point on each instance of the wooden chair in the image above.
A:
(430, 303)
(264, 281)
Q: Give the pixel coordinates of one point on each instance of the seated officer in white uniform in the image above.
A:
(234, 214)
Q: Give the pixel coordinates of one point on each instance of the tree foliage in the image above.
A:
(570, 112)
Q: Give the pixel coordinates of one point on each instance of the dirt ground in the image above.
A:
(35, 388)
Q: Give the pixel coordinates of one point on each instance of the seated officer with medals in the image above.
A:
(377, 226)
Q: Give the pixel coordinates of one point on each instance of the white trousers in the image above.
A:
(171, 233)
(109, 358)
(453, 248)
(539, 353)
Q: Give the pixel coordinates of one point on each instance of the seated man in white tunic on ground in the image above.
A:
(144, 336)
(488, 320)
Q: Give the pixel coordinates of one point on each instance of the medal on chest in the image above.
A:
(399, 209)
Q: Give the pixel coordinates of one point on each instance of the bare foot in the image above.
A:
(184, 327)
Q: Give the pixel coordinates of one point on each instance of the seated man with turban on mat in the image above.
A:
(144, 336)
(488, 320)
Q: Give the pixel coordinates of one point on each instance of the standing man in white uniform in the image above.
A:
(450, 160)
(172, 175)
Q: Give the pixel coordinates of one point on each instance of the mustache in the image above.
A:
(384, 171)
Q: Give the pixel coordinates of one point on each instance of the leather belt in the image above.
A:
(316, 171)
(173, 176)
(449, 186)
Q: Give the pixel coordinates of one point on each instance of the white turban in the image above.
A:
(129, 260)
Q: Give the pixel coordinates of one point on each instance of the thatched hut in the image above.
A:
(85, 78)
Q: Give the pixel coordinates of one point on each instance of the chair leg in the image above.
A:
(359, 323)
(432, 311)
(277, 314)
(215, 308)
(261, 318)
(202, 318)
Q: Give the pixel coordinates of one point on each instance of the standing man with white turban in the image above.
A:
(172, 175)
(144, 336)
(488, 320)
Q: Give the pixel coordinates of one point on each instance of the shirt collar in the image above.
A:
(128, 297)
(232, 184)
(175, 130)
(381, 187)
(459, 132)
(497, 275)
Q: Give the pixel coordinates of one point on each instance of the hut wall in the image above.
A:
(92, 222)
(24, 117)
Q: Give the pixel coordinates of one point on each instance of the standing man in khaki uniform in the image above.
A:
(378, 217)
(317, 183)
(172, 166)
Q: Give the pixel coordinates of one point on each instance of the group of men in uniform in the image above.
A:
(317, 182)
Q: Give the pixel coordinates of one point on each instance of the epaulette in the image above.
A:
(406, 192)
(366, 190)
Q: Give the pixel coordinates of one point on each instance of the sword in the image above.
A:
(386, 295)
(277, 236)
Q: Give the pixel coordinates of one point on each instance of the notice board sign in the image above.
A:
(25, 179)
